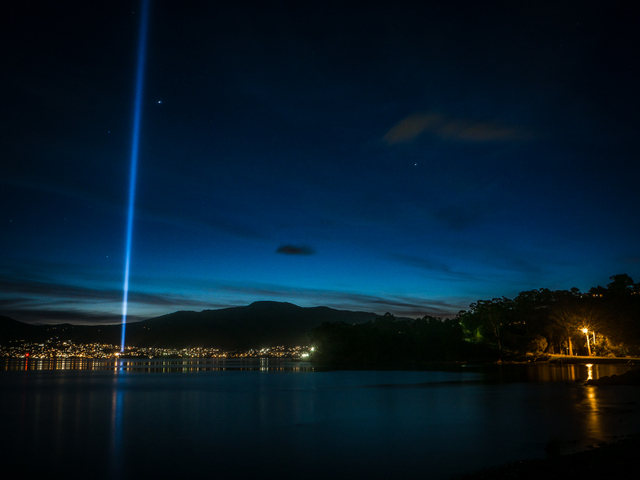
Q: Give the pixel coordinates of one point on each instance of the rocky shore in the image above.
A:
(632, 377)
(608, 460)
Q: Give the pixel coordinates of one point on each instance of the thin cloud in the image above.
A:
(49, 316)
(8, 303)
(36, 292)
(441, 270)
(400, 306)
(405, 306)
(413, 126)
(295, 250)
(49, 290)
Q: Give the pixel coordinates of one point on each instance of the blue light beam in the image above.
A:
(137, 113)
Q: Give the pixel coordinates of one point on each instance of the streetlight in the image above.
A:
(586, 333)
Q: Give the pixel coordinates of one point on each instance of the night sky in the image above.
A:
(410, 157)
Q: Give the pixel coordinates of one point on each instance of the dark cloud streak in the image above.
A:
(295, 250)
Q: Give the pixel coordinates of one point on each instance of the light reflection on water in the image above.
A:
(551, 372)
(116, 454)
(259, 419)
(593, 417)
(156, 365)
(543, 372)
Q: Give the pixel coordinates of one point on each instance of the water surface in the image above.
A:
(274, 419)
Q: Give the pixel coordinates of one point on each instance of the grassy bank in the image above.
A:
(576, 359)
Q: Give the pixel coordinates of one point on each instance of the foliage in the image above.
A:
(535, 323)
(388, 340)
(545, 321)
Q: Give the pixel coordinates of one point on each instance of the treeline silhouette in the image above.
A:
(388, 340)
(605, 321)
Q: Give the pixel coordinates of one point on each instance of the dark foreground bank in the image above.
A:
(604, 461)
(632, 377)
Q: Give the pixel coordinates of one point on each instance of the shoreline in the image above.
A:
(552, 359)
(575, 359)
(603, 461)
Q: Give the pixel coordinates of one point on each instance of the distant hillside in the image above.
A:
(11, 329)
(261, 324)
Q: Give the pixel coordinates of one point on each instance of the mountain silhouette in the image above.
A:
(259, 325)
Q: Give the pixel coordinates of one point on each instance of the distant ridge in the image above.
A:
(258, 325)
(11, 329)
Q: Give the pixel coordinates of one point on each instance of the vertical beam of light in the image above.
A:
(142, 47)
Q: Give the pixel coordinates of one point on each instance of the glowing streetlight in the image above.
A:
(586, 333)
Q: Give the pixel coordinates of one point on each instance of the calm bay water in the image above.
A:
(269, 419)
